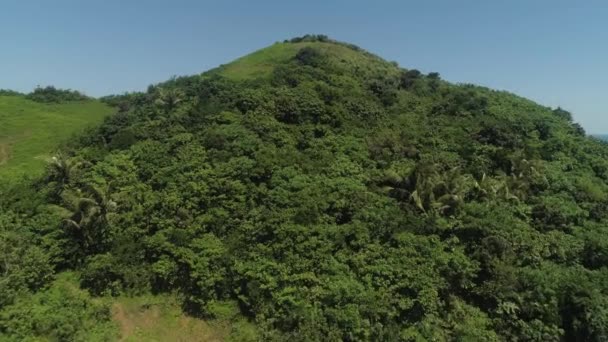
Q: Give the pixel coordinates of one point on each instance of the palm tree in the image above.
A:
(62, 169)
(440, 193)
(88, 215)
(524, 178)
(169, 98)
(490, 189)
(452, 190)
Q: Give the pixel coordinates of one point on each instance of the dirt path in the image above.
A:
(126, 325)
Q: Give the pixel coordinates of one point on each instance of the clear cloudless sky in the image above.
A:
(552, 51)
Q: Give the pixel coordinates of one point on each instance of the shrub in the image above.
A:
(51, 94)
(408, 78)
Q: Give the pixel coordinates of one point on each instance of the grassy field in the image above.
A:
(30, 131)
(159, 318)
(259, 63)
(156, 318)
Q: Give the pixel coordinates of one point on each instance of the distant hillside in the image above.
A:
(312, 191)
(601, 136)
(30, 131)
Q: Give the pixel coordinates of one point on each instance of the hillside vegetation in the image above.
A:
(32, 127)
(312, 191)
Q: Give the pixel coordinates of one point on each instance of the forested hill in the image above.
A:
(322, 193)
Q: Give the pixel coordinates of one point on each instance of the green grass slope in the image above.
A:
(31, 131)
(261, 63)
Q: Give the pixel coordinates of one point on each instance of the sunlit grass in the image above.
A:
(261, 63)
(30, 132)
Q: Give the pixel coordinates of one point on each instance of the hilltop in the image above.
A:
(314, 191)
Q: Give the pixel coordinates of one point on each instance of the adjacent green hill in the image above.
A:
(31, 131)
(312, 191)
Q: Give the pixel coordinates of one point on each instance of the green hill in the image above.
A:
(31, 131)
(313, 191)
(602, 136)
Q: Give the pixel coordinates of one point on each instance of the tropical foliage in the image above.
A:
(335, 197)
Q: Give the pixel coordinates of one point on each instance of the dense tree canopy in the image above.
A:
(336, 197)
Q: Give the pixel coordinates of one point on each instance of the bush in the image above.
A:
(310, 38)
(561, 113)
(51, 94)
(408, 78)
(61, 313)
(309, 56)
(8, 92)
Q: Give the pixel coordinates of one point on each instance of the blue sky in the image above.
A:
(554, 52)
